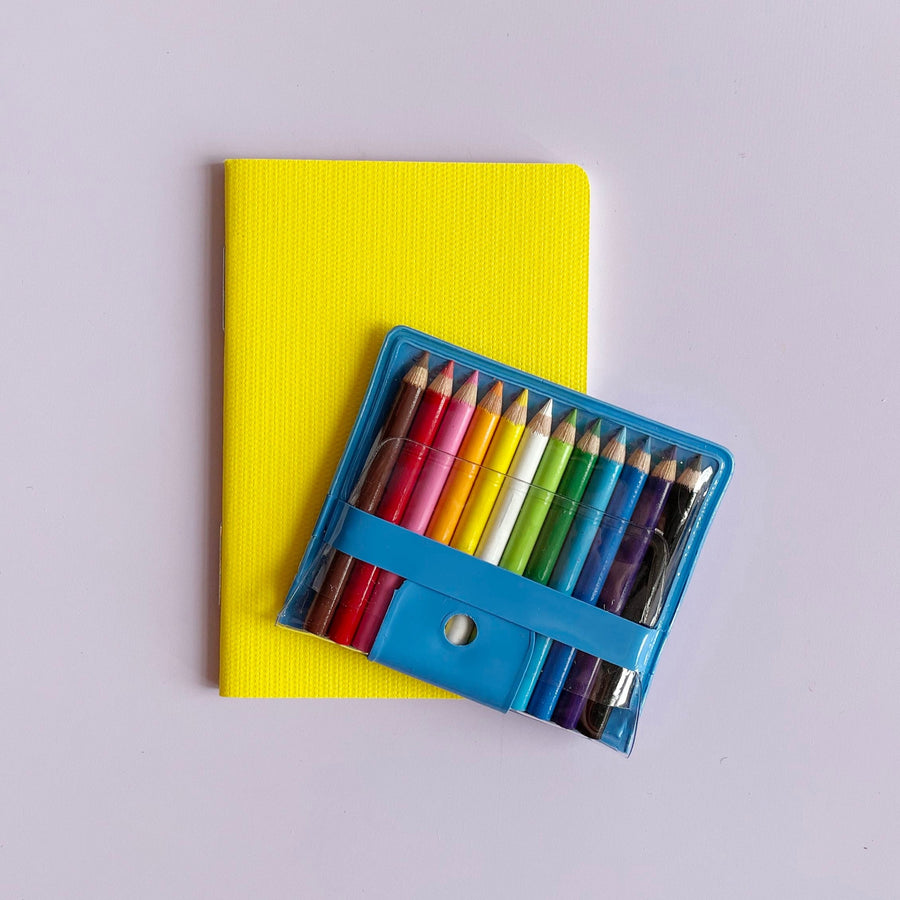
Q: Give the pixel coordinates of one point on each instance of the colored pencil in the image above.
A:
(437, 466)
(600, 555)
(462, 474)
(515, 486)
(509, 500)
(550, 541)
(490, 477)
(613, 686)
(589, 515)
(540, 496)
(644, 599)
(394, 500)
(575, 549)
(617, 583)
(370, 489)
(421, 504)
(481, 500)
(562, 511)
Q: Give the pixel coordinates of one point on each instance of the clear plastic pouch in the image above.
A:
(561, 606)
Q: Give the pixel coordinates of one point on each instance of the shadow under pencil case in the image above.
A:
(508, 539)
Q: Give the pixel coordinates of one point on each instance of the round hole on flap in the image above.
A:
(460, 630)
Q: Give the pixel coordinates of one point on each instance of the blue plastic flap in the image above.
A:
(493, 590)
(412, 639)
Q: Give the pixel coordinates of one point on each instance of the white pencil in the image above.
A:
(515, 486)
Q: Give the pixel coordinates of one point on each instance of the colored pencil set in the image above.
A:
(506, 538)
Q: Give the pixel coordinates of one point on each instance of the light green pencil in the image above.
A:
(540, 495)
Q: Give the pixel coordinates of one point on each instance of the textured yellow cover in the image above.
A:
(322, 259)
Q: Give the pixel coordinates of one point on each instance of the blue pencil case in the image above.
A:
(506, 538)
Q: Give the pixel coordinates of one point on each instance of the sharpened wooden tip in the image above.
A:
(468, 391)
(417, 376)
(492, 401)
(517, 411)
(590, 440)
(667, 467)
(565, 431)
(640, 457)
(541, 421)
(614, 450)
(692, 474)
(443, 382)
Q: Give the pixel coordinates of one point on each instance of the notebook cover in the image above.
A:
(322, 259)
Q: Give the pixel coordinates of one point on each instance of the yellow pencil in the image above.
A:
(490, 479)
(462, 476)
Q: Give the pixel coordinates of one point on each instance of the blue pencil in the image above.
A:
(588, 518)
(589, 582)
(575, 549)
(618, 582)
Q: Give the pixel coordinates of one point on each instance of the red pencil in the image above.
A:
(393, 503)
(421, 504)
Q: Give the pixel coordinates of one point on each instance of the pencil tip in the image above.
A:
(572, 417)
(517, 411)
(691, 477)
(566, 431)
(615, 447)
(667, 467)
(640, 457)
(443, 381)
(540, 421)
(417, 375)
(590, 440)
(468, 390)
(492, 401)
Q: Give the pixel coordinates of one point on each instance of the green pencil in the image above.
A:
(565, 505)
(552, 539)
(540, 495)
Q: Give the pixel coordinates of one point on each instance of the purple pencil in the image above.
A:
(618, 582)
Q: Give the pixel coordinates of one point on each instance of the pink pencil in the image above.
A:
(422, 503)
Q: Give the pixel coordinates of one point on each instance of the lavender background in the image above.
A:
(745, 282)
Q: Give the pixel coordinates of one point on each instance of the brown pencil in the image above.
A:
(370, 489)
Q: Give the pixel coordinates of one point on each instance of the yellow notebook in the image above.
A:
(322, 259)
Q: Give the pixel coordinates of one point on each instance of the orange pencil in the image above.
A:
(462, 476)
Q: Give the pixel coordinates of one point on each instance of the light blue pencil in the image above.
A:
(588, 582)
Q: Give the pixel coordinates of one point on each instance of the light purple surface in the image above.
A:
(745, 283)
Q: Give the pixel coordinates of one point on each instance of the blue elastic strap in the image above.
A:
(492, 589)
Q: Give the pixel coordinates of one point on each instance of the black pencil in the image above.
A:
(644, 602)
(613, 685)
